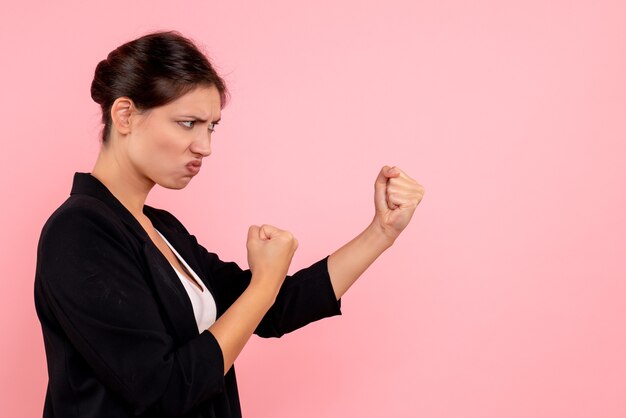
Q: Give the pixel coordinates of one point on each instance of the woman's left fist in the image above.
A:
(396, 195)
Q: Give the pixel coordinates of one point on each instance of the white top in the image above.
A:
(204, 308)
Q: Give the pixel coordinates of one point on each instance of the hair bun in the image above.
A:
(101, 83)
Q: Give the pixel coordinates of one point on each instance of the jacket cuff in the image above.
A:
(334, 305)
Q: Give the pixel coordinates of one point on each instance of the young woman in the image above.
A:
(138, 319)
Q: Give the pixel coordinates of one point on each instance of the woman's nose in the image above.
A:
(202, 144)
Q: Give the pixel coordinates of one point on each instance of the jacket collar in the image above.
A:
(85, 183)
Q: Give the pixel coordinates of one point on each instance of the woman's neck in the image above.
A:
(122, 181)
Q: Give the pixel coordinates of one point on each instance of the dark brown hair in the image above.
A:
(152, 71)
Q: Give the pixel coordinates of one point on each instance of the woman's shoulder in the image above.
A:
(77, 210)
(85, 221)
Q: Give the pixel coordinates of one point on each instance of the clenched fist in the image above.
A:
(396, 195)
(270, 251)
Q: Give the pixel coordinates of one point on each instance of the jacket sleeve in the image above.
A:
(304, 297)
(93, 281)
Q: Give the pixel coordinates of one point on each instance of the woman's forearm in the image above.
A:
(234, 328)
(350, 261)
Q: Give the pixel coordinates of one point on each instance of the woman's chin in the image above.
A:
(177, 184)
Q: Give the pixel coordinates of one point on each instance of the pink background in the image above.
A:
(505, 297)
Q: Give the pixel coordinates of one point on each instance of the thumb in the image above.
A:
(380, 186)
(253, 232)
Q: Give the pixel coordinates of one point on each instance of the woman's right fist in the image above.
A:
(270, 251)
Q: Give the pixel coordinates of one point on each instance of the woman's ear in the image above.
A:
(121, 110)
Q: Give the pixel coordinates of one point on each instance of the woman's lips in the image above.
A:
(194, 166)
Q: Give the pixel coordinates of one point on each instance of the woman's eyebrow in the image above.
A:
(199, 119)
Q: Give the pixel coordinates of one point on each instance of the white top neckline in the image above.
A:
(204, 308)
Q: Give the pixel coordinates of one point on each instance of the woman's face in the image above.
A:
(166, 144)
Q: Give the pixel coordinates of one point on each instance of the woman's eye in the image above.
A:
(187, 123)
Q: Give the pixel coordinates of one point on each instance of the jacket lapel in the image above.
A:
(174, 299)
(187, 246)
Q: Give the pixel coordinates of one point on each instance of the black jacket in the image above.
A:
(119, 331)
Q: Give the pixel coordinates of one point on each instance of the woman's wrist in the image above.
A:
(263, 292)
(378, 235)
